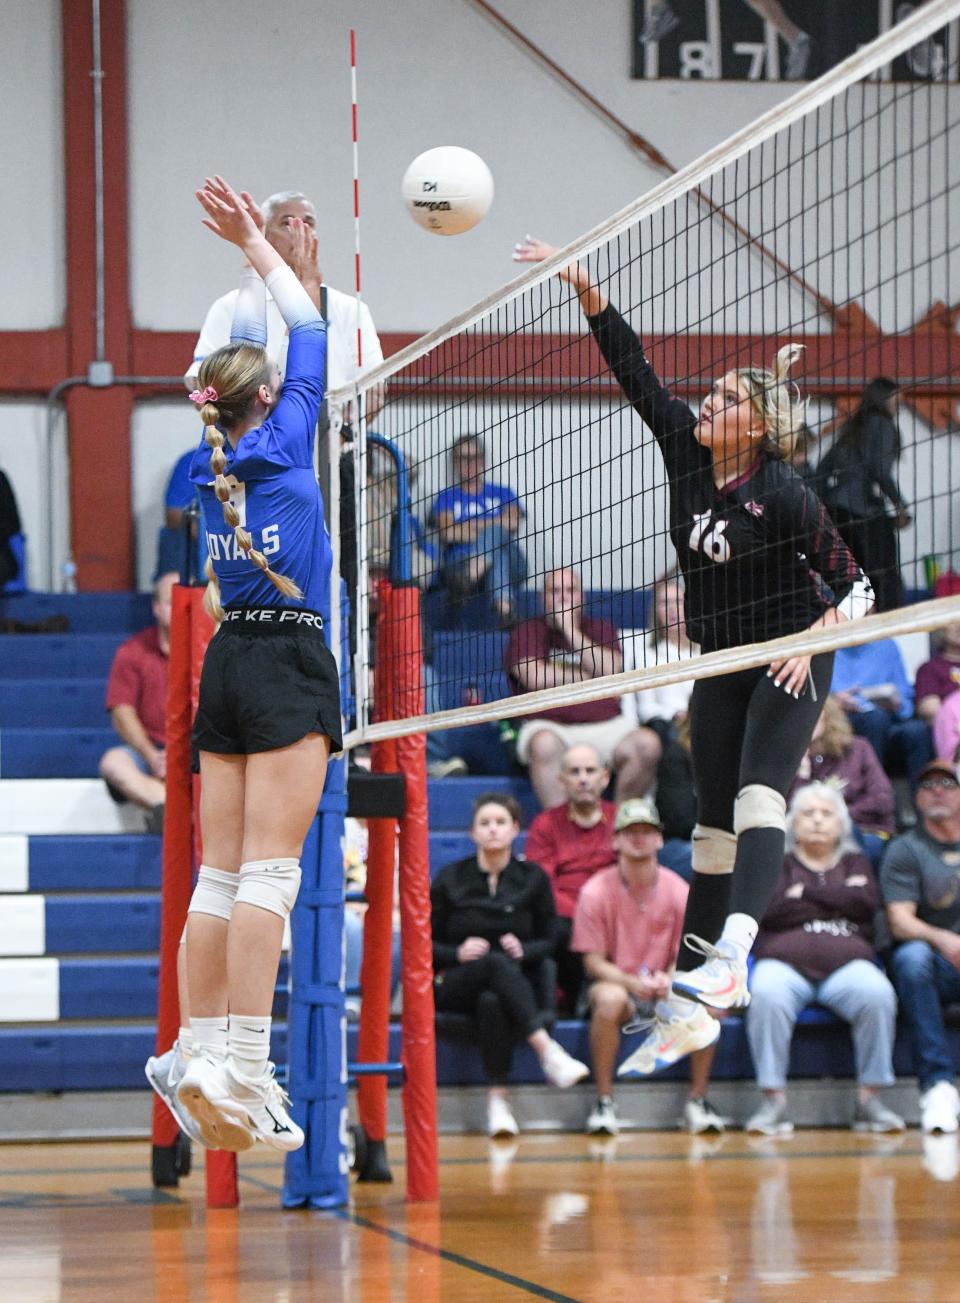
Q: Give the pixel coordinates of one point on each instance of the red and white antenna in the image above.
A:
(356, 187)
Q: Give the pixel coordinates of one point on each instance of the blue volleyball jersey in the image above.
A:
(275, 490)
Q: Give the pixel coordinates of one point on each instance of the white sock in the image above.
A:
(209, 1034)
(740, 931)
(249, 1043)
(185, 1039)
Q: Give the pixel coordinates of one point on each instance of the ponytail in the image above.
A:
(777, 401)
(230, 378)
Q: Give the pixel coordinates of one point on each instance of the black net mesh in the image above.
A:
(541, 530)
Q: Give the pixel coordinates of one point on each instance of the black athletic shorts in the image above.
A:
(268, 680)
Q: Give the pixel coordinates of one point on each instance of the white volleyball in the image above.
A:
(448, 189)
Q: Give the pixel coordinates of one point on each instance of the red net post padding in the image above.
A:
(374, 1032)
(416, 948)
(221, 1166)
(177, 880)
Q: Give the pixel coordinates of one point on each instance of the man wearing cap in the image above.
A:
(920, 880)
(627, 927)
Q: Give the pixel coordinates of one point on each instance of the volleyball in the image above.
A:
(448, 190)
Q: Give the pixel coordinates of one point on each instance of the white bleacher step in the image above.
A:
(34, 806)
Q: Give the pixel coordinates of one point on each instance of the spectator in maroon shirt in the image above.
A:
(564, 646)
(571, 843)
(939, 677)
(816, 944)
(137, 702)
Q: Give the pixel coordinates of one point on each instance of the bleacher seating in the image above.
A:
(78, 981)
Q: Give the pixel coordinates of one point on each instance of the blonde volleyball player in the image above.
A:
(753, 543)
(269, 710)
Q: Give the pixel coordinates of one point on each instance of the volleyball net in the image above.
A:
(507, 451)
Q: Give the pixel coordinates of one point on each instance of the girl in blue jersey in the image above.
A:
(269, 710)
(761, 559)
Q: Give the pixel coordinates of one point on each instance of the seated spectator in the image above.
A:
(815, 945)
(9, 527)
(939, 677)
(665, 707)
(920, 879)
(478, 522)
(493, 925)
(835, 755)
(871, 684)
(564, 646)
(627, 927)
(355, 845)
(946, 729)
(137, 702)
(571, 842)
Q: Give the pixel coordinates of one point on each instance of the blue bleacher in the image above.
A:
(52, 703)
(64, 752)
(121, 613)
(95, 924)
(62, 655)
(120, 862)
(451, 799)
(125, 988)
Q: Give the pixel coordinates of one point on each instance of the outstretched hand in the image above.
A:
(227, 213)
(253, 208)
(303, 257)
(530, 249)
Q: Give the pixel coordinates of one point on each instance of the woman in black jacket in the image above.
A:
(857, 479)
(493, 924)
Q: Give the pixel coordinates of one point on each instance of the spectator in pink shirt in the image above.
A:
(627, 927)
(946, 729)
(572, 842)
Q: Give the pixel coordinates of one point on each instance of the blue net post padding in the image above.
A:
(316, 1176)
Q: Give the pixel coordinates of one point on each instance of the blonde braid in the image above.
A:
(210, 415)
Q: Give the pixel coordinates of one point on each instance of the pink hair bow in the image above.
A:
(201, 396)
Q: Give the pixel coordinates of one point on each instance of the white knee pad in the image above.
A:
(214, 893)
(714, 850)
(758, 806)
(270, 885)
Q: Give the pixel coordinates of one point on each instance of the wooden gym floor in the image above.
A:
(648, 1218)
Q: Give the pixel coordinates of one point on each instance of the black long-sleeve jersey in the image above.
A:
(760, 557)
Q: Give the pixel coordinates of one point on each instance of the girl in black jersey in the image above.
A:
(757, 551)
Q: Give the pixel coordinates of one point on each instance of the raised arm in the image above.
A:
(250, 312)
(592, 298)
(661, 411)
(229, 217)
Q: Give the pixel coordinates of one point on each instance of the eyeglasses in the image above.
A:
(932, 784)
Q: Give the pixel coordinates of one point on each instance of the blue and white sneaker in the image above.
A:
(721, 982)
(676, 1029)
(258, 1104)
(164, 1073)
(200, 1092)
